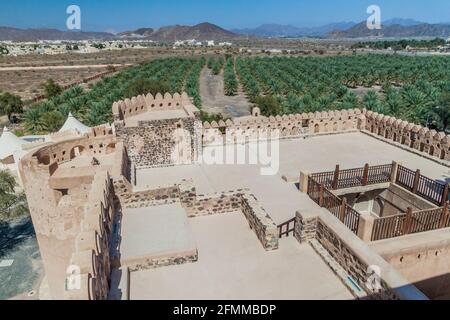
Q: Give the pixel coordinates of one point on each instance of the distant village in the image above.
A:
(52, 47)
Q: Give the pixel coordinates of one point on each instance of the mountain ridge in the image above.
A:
(392, 31)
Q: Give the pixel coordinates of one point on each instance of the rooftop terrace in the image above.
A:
(233, 265)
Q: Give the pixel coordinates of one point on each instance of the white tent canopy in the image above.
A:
(72, 124)
(9, 144)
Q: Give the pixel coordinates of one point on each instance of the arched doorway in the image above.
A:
(76, 151)
(316, 128)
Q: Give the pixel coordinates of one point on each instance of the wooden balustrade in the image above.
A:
(430, 190)
(336, 206)
(411, 222)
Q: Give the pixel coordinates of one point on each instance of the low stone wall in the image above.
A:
(163, 261)
(148, 198)
(355, 257)
(266, 230)
(259, 221)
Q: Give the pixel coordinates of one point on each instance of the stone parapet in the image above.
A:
(366, 268)
(266, 230)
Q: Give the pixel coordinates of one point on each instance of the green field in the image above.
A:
(411, 88)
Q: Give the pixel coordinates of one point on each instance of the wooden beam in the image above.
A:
(416, 182)
(336, 178)
(445, 194)
(408, 222)
(343, 210)
(321, 194)
(365, 178)
(444, 216)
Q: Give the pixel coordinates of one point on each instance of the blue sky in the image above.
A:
(120, 15)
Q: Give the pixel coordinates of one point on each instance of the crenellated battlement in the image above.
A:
(148, 103)
(435, 144)
(294, 125)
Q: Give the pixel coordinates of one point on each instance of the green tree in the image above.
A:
(10, 104)
(268, 105)
(52, 121)
(12, 204)
(52, 89)
(371, 101)
(146, 86)
(33, 122)
(441, 113)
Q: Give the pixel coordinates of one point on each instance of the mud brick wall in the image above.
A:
(152, 143)
(266, 230)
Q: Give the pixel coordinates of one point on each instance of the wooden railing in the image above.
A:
(336, 206)
(411, 222)
(285, 229)
(388, 227)
(430, 190)
(358, 177)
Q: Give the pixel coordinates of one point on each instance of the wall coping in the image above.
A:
(398, 284)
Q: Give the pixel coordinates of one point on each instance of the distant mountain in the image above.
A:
(139, 33)
(393, 31)
(402, 22)
(20, 35)
(270, 30)
(202, 31)
(278, 30)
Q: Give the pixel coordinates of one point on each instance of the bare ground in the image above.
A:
(214, 99)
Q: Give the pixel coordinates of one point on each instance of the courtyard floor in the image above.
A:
(233, 265)
(280, 199)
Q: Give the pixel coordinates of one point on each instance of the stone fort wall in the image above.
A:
(58, 180)
(428, 142)
(159, 142)
(90, 262)
(147, 103)
(436, 144)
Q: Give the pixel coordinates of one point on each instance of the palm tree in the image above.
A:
(33, 122)
(441, 113)
(10, 104)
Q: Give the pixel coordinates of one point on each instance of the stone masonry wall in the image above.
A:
(266, 230)
(165, 260)
(153, 143)
(354, 256)
(346, 258)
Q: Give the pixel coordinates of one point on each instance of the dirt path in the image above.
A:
(214, 99)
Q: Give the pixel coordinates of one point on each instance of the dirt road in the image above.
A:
(214, 99)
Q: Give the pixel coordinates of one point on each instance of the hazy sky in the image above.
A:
(120, 15)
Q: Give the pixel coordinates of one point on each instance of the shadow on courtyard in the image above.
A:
(18, 245)
(14, 233)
